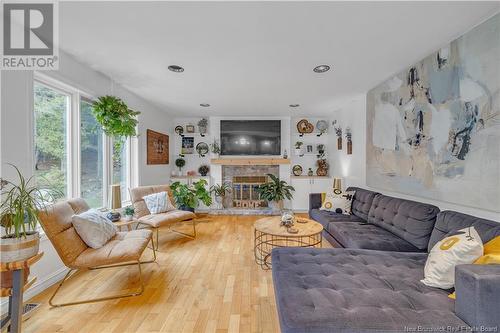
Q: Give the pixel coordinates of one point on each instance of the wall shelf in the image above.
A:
(310, 177)
(250, 161)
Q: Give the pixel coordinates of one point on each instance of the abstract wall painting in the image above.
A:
(433, 130)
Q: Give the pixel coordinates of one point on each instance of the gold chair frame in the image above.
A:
(156, 230)
(100, 299)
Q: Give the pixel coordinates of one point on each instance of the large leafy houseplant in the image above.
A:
(21, 203)
(188, 197)
(275, 191)
(116, 118)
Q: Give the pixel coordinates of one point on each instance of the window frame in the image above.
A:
(73, 137)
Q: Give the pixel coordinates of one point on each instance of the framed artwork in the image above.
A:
(187, 145)
(157, 147)
(190, 128)
(433, 129)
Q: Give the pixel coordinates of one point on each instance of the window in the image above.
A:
(51, 109)
(91, 156)
(120, 166)
(72, 155)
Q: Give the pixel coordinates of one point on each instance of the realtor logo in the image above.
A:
(30, 36)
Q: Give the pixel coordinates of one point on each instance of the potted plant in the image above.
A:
(202, 126)
(188, 197)
(298, 148)
(275, 191)
(21, 204)
(220, 191)
(116, 119)
(215, 148)
(180, 163)
(129, 213)
(203, 169)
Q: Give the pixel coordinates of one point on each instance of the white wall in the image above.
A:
(16, 137)
(352, 168)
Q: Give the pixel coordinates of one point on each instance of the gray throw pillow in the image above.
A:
(158, 203)
(94, 228)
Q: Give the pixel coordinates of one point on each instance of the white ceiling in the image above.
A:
(256, 58)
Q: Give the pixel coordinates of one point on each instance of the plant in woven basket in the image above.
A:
(22, 201)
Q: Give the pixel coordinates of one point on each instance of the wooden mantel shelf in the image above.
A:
(250, 161)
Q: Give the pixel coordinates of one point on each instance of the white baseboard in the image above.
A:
(38, 287)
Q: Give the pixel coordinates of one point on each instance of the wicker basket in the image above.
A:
(18, 249)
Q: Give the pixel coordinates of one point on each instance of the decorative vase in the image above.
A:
(276, 205)
(349, 147)
(19, 249)
(219, 200)
(310, 172)
(339, 143)
(128, 218)
(298, 151)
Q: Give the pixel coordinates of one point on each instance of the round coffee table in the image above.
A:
(269, 233)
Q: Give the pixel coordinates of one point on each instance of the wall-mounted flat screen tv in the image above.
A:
(250, 137)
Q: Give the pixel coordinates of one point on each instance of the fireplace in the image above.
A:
(245, 193)
(244, 180)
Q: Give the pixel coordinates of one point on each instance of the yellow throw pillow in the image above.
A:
(491, 256)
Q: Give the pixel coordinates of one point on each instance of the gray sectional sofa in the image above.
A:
(372, 282)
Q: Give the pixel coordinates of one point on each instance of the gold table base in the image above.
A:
(264, 244)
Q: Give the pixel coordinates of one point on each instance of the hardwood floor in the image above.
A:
(209, 284)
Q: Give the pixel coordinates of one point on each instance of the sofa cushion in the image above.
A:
(368, 236)
(413, 221)
(352, 291)
(173, 216)
(448, 221)
(325, 217)
(125, 246)
(362, 201)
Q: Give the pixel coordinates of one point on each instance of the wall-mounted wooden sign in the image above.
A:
(158, 152)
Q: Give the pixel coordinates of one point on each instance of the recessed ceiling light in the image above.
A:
(321, 69)
(176, 68)
(294, 105)
(205, 105)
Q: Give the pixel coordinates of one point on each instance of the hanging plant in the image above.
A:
(116, 119)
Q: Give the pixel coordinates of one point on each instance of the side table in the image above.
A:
(15, 294)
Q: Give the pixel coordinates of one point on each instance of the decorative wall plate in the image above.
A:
(179, 129)
(305, 126)
(202, 148)
(322, 126)
(297, 170)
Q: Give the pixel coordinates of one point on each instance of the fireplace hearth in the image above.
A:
(244, 180)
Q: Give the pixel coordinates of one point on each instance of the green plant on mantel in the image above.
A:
(116, 118)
